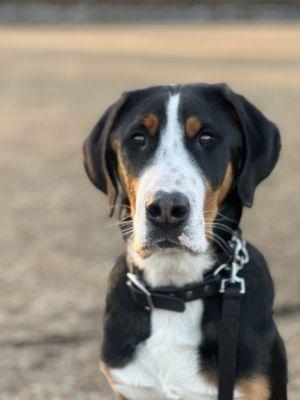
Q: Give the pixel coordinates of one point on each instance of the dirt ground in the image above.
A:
(56, 243)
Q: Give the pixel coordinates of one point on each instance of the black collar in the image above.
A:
(174, 298)
(171, 298)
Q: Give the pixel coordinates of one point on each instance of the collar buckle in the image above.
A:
(134, 280)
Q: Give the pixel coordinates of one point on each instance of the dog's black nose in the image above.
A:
(168, 209)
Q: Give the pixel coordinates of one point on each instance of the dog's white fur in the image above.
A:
(166, 366)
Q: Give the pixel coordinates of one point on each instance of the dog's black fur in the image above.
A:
(252, 144)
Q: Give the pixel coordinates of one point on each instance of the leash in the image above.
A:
(231, 288)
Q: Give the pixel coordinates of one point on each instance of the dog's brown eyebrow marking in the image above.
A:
(150, 122)
(192, 126)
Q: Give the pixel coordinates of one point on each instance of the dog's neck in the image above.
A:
(171, 269)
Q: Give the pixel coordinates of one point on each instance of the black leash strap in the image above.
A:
(228, 342)
(233, 288)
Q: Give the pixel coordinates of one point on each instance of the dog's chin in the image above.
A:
(164, 246)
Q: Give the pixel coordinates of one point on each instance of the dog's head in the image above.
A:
(177, 155)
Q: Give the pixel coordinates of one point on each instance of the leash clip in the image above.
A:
(134, 280)
(240, 254)
(234, 279)
(240, 258)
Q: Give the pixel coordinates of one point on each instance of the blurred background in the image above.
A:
(62, 63)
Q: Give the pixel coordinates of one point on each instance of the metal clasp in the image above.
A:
(240, 258)
(234, 278)
(240, 255)
(134, 280)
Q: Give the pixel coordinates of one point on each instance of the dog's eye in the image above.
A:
(138, 139)
(206, 138)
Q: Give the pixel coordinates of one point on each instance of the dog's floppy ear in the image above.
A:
(97, 160)
(261, 145)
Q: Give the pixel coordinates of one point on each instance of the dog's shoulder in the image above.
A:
(125, 323)
(116, 288)
(260, 286)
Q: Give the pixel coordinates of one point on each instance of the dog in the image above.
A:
(184, 160)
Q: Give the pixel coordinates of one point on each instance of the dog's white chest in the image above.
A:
(166, 366)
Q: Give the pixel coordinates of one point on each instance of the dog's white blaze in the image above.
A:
(173, 169)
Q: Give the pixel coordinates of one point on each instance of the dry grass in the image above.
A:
(56, 244)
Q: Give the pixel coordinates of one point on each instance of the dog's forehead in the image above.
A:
(201, 100)
(148, 100)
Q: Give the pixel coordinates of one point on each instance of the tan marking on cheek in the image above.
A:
(210, 207)
(213, 199)
(128, 182)
(227, 182)
(150, 122)
(131, 190)
(192, 126)
(254, 388)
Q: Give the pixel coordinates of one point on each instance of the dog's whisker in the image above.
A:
(110, 225)
(215, 240)
(221, 227)
(126, 218)
(123, 220)
(120, 223)
(218, 224)
(220, 242)
(128, 234)
(125, 206)
(225, 217)
(127, 227)
(125, 223)
(218, 213)
(219, 237)
(123, 227)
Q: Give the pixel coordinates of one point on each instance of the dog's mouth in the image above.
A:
(170, 246)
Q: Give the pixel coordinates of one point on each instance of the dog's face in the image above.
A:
(177, 153)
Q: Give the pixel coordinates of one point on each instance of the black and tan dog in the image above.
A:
(185, 160)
